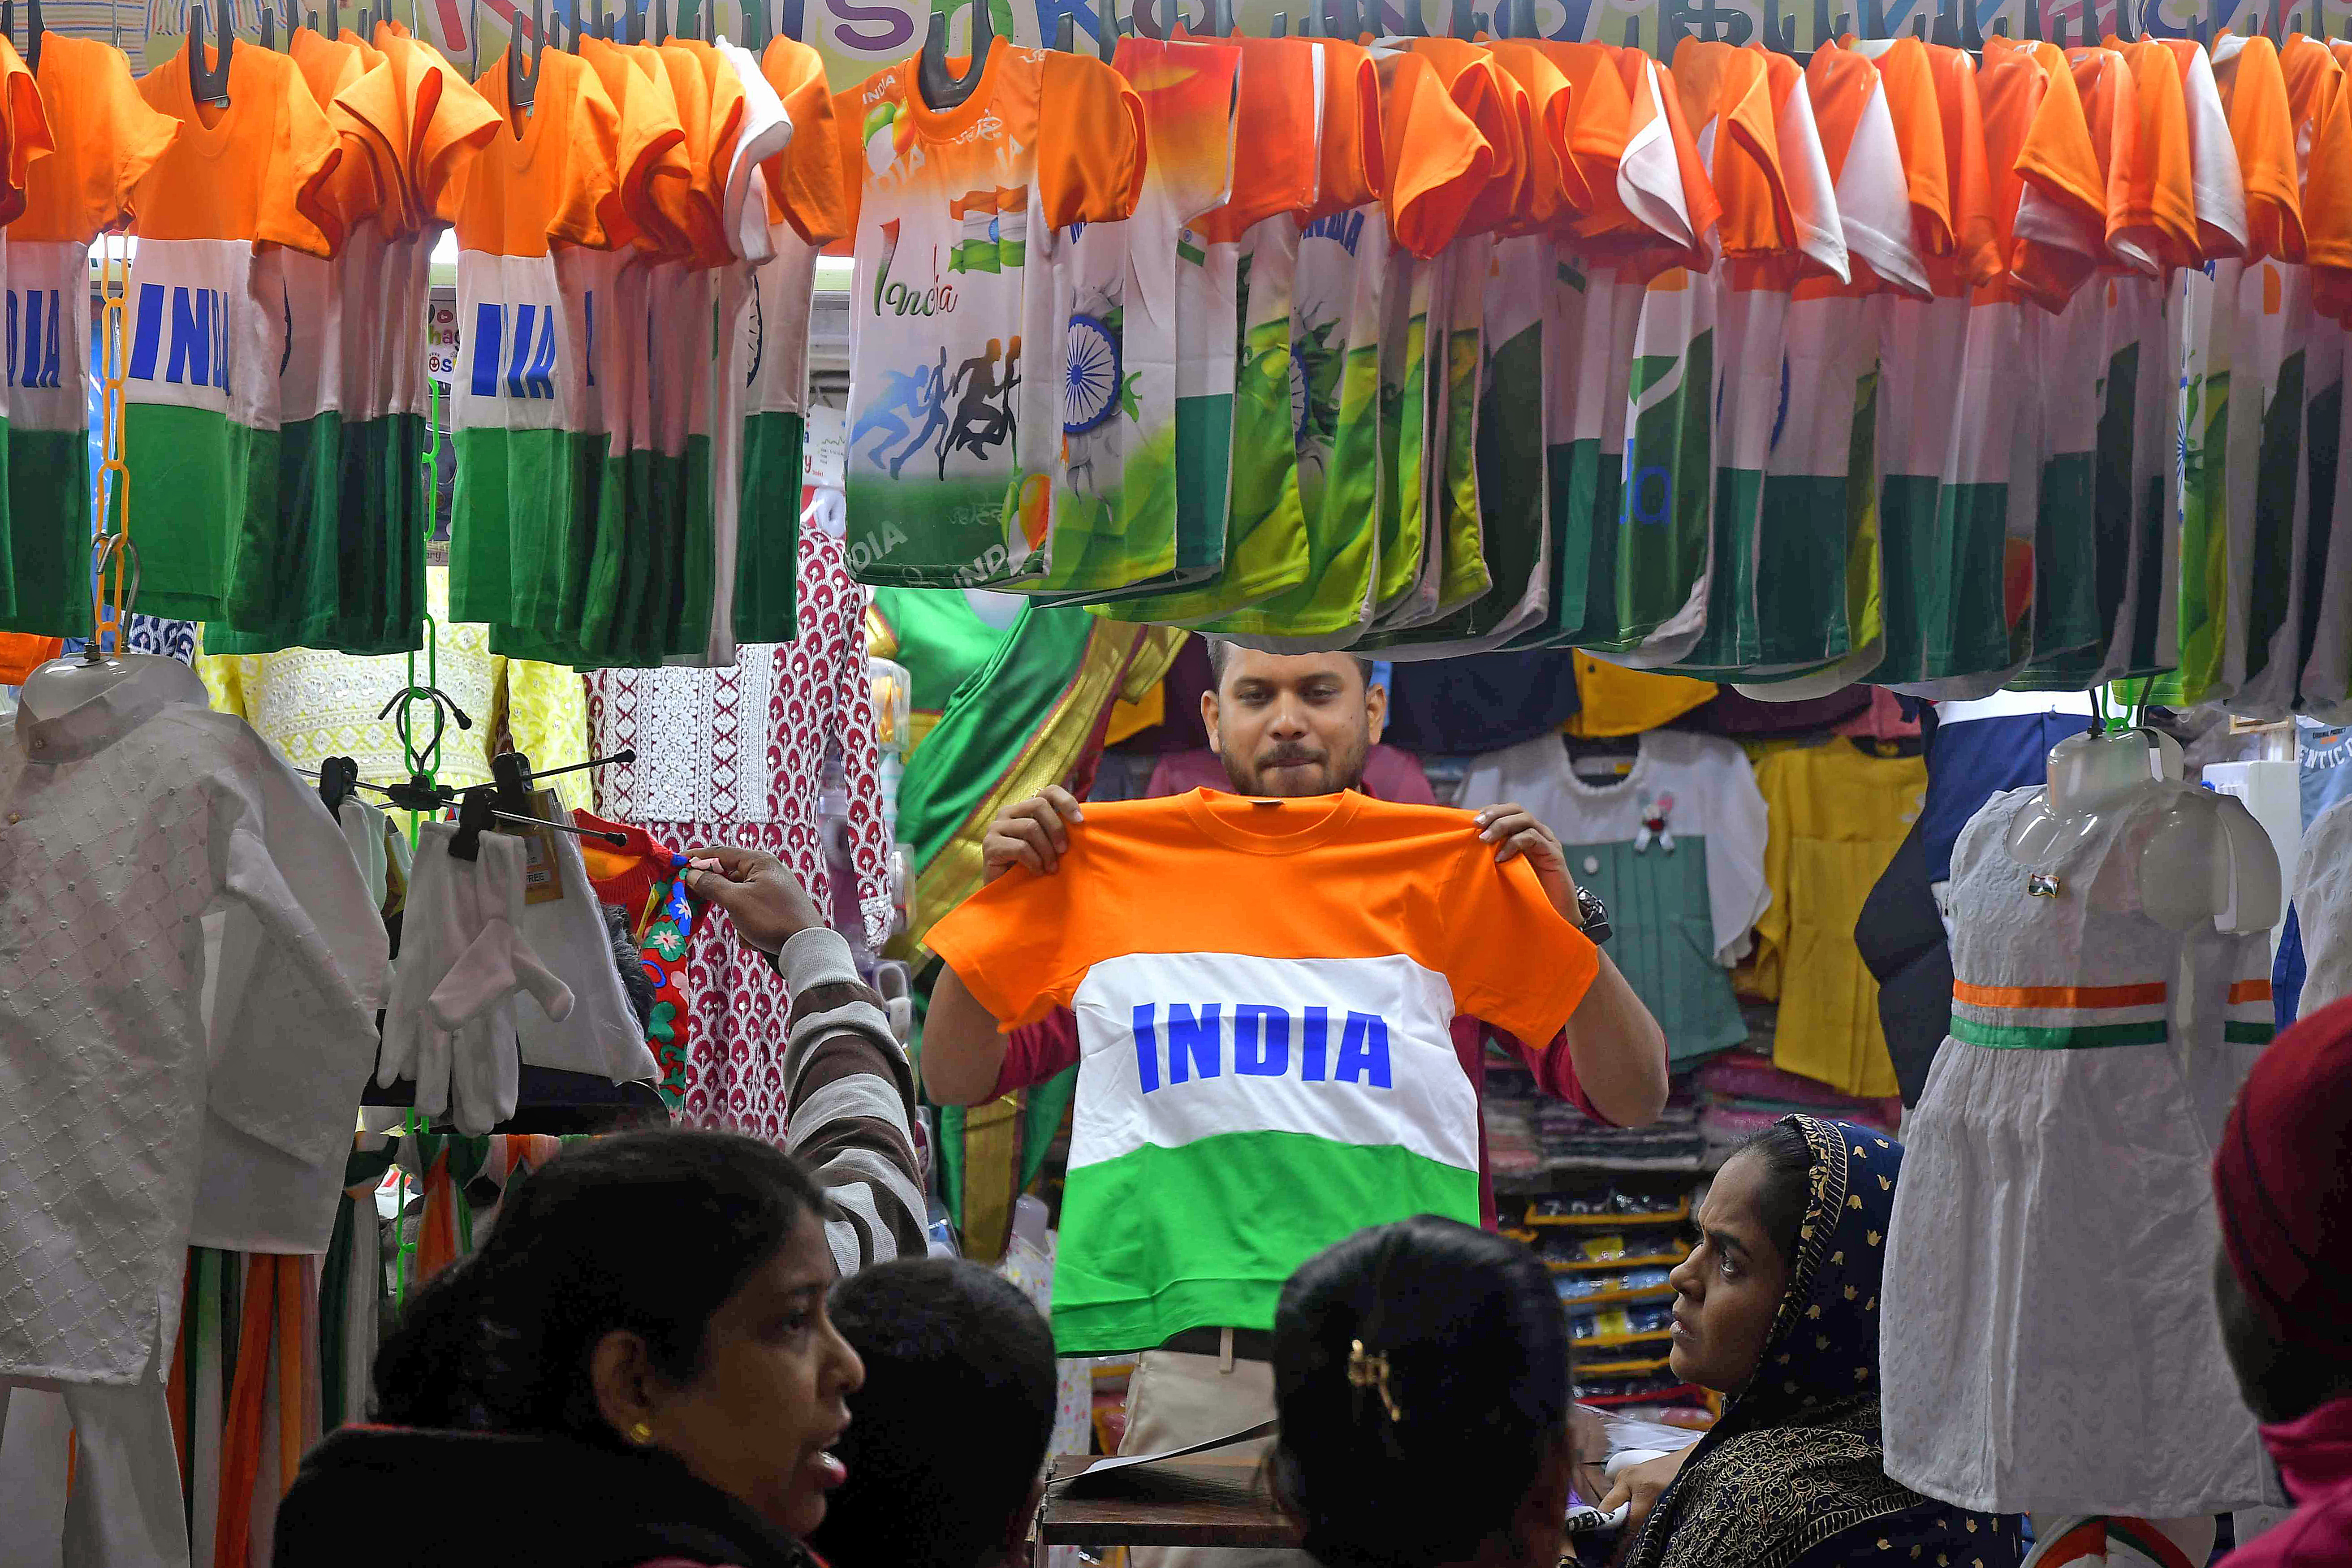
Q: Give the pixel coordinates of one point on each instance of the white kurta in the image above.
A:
(122, 824)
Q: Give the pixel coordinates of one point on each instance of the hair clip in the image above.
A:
(1365, 1370)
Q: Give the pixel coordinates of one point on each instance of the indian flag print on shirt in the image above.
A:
(1208, 1082)
(48, 429)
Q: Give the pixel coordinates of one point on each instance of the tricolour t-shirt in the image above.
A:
(1264, 993)
(207, 328)
(106, 138)
(955, 212)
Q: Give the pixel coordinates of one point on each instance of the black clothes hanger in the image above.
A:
(1343, 19)
(940, 89)
(1780, 36)
(522, 87)
(337, 778)
(34, 29)
(209, 84)
(1825, 28)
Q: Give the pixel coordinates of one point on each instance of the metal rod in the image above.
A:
(617, 840)
(625, 754)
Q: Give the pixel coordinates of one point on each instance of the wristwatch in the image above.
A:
(1595, 913)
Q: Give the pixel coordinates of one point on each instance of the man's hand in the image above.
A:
(1035, 833)
(1515, 830)
(765, 901)
(1641, 1484)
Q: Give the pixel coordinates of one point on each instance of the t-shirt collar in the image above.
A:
(1297, 823)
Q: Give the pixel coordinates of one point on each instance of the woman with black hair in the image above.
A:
(1777, 1307)
(636, 1367)
(1421, 1375)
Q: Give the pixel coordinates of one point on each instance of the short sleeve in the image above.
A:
(1437, 162)
(2253, 95)
(809, 184)
(1736, 832)
(1019, 944)
(297, 196)
(1090, 151)
(448, 123)
(27, 128)
(1511, 958)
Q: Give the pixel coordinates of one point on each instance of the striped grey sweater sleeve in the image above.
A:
(852, 1105)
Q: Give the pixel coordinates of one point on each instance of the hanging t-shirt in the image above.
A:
(1675, 848)
(1959, 553)
(1253, 1089)
(1237, 263)
(2229, 386)
(1839, 811)
(25, 136)
(1116, 517)
(954, 212)
(1651, 208)
(200, 395)
(802, 211)
(1797, 584)
(531, 448)
(107, 138)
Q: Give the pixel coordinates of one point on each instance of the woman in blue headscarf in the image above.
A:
(1777, 1307)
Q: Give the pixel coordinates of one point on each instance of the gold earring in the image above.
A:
(641, 1434)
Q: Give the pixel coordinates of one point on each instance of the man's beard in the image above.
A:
(1340, 771)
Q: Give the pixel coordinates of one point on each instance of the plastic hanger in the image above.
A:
(522, 87)
(1826, 29)
(338, 776)
(941, 89)
(1343, 19)
(1779, 35)
(1217, 19)
(209, 84)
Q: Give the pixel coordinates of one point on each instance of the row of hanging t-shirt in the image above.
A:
(1867, 368)
(277, 403)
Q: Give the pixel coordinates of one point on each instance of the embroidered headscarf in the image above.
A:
(1797, 1458)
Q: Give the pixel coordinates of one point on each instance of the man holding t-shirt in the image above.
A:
(1277, 997)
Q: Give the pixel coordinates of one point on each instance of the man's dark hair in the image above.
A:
(1221, 653)
(950, 1432)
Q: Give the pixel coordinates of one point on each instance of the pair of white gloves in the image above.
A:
(451, 1019)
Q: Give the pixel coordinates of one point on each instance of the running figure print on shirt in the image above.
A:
(957, 214)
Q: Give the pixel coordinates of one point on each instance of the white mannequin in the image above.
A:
(57, 687)
(2209, 860)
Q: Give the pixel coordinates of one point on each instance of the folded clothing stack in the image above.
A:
(1742, 1093)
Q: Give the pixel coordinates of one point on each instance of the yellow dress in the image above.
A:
(1838, 812)
(312, 705)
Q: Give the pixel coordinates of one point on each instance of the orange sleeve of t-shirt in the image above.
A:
(449, 123)
(1976, 249)
(26, 127)
(1276, 159)
(2316, 99)
(1090, 144)
(296, 207)
(1022, 943)
(1593, 138)
(849, 123)
(2159, 190)
(1908, 80)
(1700, 198)
(1437, 161)
(807, 181)
(590, 193)
(2253, 95)
(1556, 187)
(1354, 167)
(1729, 86)
(1485, 94)
(1510, 957)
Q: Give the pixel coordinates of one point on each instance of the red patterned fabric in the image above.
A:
(738, 757)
